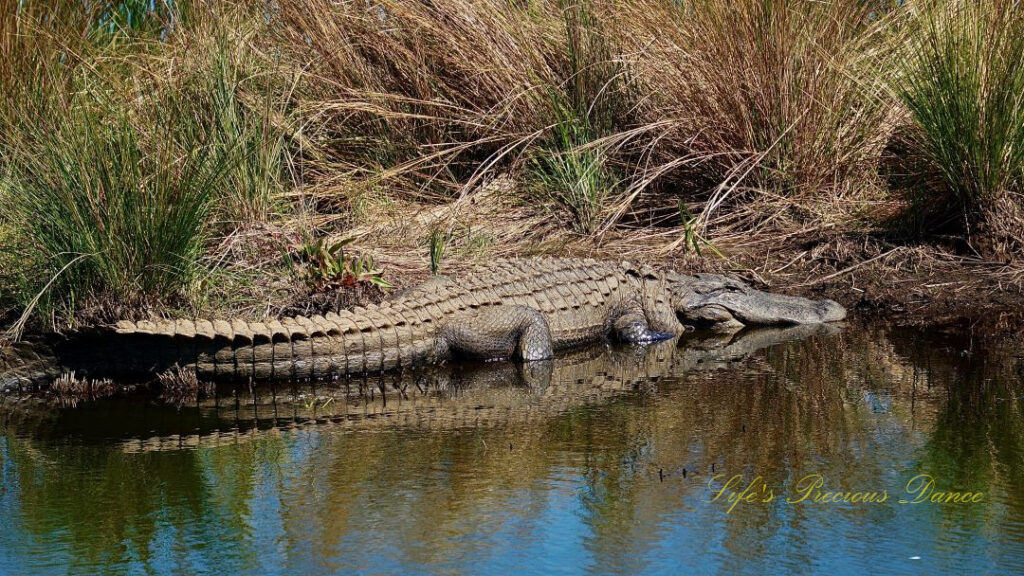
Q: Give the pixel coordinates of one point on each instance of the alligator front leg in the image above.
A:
(631, 326)
(518, 332)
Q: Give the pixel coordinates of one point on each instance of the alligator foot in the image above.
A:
(632, 328)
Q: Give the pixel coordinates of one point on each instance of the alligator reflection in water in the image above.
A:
(445, 397)
(598, 486)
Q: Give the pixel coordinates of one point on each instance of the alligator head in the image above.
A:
(710, 299)
(725, 304)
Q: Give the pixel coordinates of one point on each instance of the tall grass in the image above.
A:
(251, 121)
(573, 166)
(576, 175)
(122, 146)
(437, 94)
(115, 211)
(440, 93)
(962, 80)
(442, 90)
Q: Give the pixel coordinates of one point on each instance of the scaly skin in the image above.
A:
(520, 309)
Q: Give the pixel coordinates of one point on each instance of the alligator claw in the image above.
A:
(653, 336)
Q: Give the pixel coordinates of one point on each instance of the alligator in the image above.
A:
(520, 309)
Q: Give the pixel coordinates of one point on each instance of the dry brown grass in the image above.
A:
(750, 109)
(785, 82)
(68, 389)
(424, 90)
(181, 385)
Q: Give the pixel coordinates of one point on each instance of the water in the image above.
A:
(573, 468)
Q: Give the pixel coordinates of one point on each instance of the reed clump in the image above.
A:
(67, 390)
(959, 74)
(767, 98)
(120, 161)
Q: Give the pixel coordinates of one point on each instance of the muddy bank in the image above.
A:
(916, 288)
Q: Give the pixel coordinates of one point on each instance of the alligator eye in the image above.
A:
(728, 288)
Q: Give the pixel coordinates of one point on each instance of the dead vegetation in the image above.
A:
(181, 385)
(68, 390)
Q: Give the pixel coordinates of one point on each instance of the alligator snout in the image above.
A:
(830, 311)
(762, 308)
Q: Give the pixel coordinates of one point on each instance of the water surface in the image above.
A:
(605, 461)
